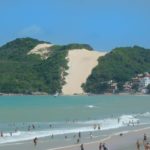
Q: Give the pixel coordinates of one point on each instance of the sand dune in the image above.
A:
(81, 62)
(42, 50)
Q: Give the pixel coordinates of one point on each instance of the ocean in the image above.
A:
(26, 117)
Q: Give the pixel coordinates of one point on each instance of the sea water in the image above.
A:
(27, 117)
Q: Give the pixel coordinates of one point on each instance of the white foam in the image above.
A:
(82, 126)
(125, 119)
(90, 106)
(147, 114)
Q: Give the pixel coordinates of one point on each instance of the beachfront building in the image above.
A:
(127, 87)
(144, 82)
(112, 86)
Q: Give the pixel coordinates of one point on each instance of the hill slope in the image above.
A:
(119, 65)
(28, 65)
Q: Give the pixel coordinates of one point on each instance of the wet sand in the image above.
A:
(114, 142)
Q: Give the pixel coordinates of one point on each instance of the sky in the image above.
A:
(103, 24)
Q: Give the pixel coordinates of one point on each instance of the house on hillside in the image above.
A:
(144, 82)
(127, 87)
(112, 87)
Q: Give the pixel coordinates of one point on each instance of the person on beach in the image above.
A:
(82, 147)
(100, 146)
(121, 134)
(104, 147)
(138, 145)
(145, 137)
(147, 146)
(35, 141)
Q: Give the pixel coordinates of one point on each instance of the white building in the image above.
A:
(144, 82)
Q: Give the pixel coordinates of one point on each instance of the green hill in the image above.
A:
(26, 74)
(22, 73)
(120, 65)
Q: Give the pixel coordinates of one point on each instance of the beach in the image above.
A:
(115, 142)
(25, 117)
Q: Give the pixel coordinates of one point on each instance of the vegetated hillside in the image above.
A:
(17, 49)
(120, 65)
(22, 73)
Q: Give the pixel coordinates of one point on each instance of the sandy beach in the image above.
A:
(115, 142)
(70, 115)
(80, 62)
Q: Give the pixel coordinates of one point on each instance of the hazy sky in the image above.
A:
(104, 24)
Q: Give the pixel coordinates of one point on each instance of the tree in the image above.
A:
(135, 87)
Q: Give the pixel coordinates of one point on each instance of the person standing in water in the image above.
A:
(79, 134)
(2, 134)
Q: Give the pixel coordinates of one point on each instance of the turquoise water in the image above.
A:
(49, 108)
(69, 114)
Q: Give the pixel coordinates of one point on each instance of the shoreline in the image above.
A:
(84, 94)
(113, 142)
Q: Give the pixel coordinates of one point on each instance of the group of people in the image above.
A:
(102, 146)
(145, 143)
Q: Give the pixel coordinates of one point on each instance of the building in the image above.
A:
(144, 82)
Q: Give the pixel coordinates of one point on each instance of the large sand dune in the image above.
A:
(81, 62)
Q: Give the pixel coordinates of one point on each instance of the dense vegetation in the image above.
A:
(22, 73)
(120, 65)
